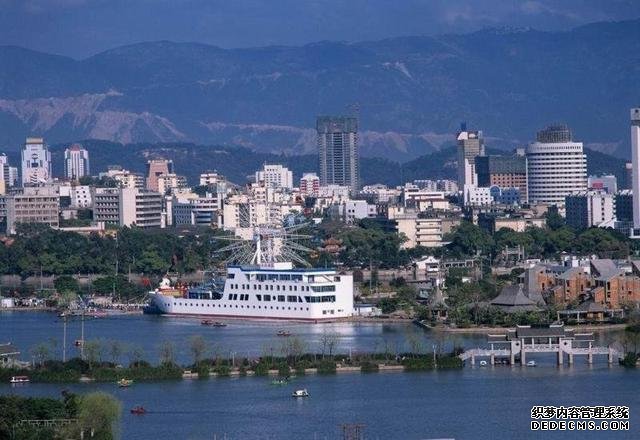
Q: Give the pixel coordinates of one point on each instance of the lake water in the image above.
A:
(472, 403)
(244, 338)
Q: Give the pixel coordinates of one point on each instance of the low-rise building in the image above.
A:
(106, 205)
(33, 205)
(124, 178)
(585, 209)
(475, 196)
(168, 183)
(196, 210)
(309, 185)
(140, 208)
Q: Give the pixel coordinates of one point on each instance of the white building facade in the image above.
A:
(36, 162)
(556, 167)
(76, 162)
(275, 176)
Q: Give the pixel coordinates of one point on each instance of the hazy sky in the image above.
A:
(83, 27)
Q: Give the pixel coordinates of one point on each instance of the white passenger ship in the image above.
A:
(266, 287)
(275, 291)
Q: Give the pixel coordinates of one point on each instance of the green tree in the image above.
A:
(198, 347)
(554, 219)
(98, 415)
(470, 240)
(92, 352)
(167, 352)
(66, 283)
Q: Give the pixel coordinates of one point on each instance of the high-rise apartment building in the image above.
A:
(635, 159)
(556, 166)
(76, 162)
(339, 160)
(156, 168)
(275, 176)
(36, 162)
(470, 146)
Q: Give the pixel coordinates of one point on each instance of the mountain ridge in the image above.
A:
(407, 91)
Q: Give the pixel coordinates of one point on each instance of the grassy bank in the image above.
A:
(76, 369)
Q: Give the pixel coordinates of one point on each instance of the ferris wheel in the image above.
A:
(266, 245)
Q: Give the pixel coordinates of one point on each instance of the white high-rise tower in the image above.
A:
(76, 162)
(36, 162)
(635, 156)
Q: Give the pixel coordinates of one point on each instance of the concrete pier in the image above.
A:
(554, 338)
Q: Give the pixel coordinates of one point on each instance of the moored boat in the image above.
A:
(283, 333)
(124, 383)
(531, 364)
(138, 410)
(300, 393)
(19, 379)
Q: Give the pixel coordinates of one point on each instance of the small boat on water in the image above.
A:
(19, 379)
(125, 383)
(283, 333)
(211, 323)
(78, 342)
(138, 410)
(531, 364)
(300, 393)
(483, 363)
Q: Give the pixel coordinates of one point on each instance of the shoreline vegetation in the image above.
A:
(94, 415)
(290, 357)
(77, 370)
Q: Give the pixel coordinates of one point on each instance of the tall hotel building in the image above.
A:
(338, 151)
(36, 162)
(556, 166)
(76, 162)
(470, 146)
(635, 159)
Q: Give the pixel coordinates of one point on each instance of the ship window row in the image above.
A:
(241, 306)
(276, 277)
(278, 288)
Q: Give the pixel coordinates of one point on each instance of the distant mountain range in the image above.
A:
(239, 164)
(410, 93)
